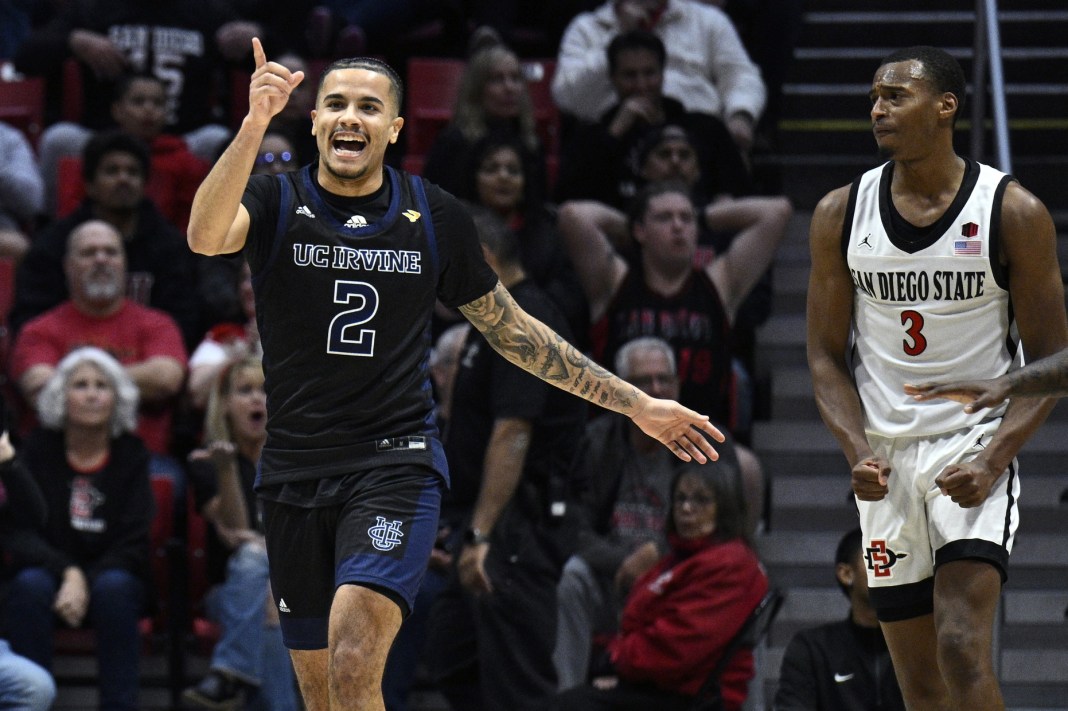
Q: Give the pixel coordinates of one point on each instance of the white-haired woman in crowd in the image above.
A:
(88, 566)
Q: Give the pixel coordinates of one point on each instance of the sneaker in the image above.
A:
(216, 691)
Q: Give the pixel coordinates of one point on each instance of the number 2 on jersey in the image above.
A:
(913, 320)
(339, 340)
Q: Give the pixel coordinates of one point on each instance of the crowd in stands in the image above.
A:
(619, 205)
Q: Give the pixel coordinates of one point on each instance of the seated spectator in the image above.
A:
(89, 565)
(21, 192)
(186, 43)
(684, 611)
(23, 683)
(602, 161)
(174, 174)
(161, 270)
(502, 177)
(843, 665)
(707, 67)
(625, 478)
(276, 155)
(492, 98)
(249, 661)
(444, 362)
(669, 153)
(146, 341)
(665, 293)
(770, 30)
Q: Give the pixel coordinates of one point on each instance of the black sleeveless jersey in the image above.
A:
(693, 321)
(345, 289)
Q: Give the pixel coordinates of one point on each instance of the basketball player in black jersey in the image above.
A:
(348, 257)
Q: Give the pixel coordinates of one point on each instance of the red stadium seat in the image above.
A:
(73, 91)
(205, 632)
(431, 93)
(70, 187)
(22, 106)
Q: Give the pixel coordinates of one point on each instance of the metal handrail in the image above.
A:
(987, 50)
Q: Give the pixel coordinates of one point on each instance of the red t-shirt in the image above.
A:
(132, 334)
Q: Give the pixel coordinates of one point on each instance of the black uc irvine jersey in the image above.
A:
(345, 289)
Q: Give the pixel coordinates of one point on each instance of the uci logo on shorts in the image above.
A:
(385, 535)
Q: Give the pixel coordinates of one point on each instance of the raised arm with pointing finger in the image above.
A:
(348, 258)
(218, 222)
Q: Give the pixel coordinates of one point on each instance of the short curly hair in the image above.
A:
(52, 400)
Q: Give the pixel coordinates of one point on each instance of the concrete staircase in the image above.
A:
(812, 506)
(825, 134)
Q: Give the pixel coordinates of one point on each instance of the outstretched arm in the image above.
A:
(1046, 377)
(530, 344)
(218, 222)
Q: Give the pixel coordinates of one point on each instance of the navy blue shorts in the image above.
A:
(379, 535)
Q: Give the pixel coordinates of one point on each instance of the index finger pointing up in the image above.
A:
(257, 52)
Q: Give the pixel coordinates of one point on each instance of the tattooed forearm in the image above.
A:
(533, 346)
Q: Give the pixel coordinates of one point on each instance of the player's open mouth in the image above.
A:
(348, 145)
(257, 416)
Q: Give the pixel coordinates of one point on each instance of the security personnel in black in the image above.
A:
(510, 442)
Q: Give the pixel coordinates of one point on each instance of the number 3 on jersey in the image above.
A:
(341, 340)
(913, 322)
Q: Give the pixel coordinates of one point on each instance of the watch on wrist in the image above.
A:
(474, 537)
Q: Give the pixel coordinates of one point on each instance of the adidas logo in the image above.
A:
(282, 606)
(356, 221)
(412, 215)
(303, 210)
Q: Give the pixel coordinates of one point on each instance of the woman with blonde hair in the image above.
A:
(89, 564)
(492, 98)
(249, 661)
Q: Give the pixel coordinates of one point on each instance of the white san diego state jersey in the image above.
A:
(929, 304)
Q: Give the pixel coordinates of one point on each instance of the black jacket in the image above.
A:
(838, 667)
(97, 521)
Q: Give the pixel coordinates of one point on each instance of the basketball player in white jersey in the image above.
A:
(931, 267)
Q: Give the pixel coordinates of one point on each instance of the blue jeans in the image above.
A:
(247, 648)
(116, 600)
(23, 684)
(407, 648)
